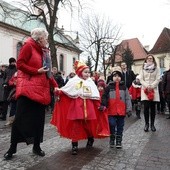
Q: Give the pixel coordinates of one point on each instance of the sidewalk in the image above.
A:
(141, 150)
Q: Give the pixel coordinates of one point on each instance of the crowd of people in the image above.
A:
(95, 108)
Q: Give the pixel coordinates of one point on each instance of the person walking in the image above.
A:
(117, 100)
(32, 93)
(79, 120)
(149, 78)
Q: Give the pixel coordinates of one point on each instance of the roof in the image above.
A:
(20, 20)
(135, 46)
(162, 44)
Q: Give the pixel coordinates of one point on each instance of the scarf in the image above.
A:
(47, 62)
(149, 67)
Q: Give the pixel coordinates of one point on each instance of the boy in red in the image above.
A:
(117, 100)
(76, 114)
(135, 93)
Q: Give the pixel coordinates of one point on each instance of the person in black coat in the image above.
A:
(9, 72)
(128, 76)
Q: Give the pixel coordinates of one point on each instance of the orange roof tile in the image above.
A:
(162, 44)
(135, 46)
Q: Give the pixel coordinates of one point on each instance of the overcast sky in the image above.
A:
(142, 19)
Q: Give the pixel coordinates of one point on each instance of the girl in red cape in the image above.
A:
(76, 113)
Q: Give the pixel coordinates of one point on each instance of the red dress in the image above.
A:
(77, 117)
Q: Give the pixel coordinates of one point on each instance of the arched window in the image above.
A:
(19, 45)
(61, 62)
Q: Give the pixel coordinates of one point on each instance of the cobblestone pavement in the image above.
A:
(141, 150)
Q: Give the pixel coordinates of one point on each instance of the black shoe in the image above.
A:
(38, 152)
(118, 144)
(2, 118)
(153, 128)
(90, 142)
(146, 128)
(9, 154)
(168, 117)
(74, 150)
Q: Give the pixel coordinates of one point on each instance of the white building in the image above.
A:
(13, 32)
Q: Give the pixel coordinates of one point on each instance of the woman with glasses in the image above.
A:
(149, 78)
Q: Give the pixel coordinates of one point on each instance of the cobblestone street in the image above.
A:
(141, 150)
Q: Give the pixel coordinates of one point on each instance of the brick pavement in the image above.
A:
(141, 151)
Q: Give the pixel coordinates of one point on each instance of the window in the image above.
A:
(61, 62)
(74, 59)
(19, 45)
(161, 63)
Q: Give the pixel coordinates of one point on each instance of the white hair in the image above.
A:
(38, 33)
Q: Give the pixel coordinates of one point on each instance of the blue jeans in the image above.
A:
(116, 124)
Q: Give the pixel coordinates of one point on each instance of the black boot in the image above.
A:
(112, 140)
(138, 114)
(118, 141)
(38, 151)
(74, 148)
(90, 142)
(168, 117)
(146, 128)
(153, 128)
(152, 122)
(9, 154)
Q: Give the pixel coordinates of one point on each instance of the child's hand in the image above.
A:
(102, 108)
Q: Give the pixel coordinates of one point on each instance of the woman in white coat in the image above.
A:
(149, 78)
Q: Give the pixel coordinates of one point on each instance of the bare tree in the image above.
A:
(44, 11)
(99, 37)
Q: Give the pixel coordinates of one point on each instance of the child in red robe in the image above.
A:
(76, 114)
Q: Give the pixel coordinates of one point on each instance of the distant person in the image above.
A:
(135, 93)
(162, 103)
(32, 93)
(2, 73)
(71, 75)
(149, 78)
(58, 77)
(166, 88)
(9, 72)
(128, 76)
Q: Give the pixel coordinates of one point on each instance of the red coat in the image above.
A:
(30, 83)
(135, 91)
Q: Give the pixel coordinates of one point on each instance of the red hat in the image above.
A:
(79, 67)
(101, 83)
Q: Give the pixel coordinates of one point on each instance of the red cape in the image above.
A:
(77, 129)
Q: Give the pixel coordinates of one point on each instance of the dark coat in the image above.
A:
(166, 85)
(128, 78)
(9, 72)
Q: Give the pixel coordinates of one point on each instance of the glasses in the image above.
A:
(150, 58)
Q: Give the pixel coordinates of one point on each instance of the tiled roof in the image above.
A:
(162, 44)
(134, 45)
